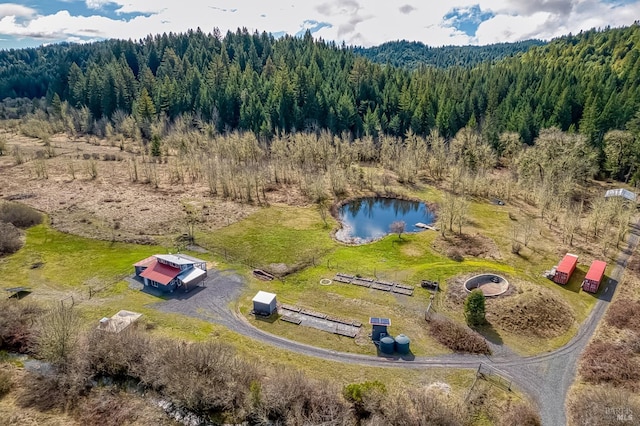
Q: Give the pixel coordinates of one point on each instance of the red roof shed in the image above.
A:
(160, 273)
(565, 268)
(592, 281)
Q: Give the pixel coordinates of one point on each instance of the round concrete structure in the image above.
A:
(490, 284)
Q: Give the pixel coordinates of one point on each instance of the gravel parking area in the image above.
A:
(210, 302)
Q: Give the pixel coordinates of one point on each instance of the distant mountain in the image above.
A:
(413, 54)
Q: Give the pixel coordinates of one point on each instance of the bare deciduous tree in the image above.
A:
(58, 334)
(398, 227)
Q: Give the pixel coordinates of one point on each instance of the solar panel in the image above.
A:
(379, 321)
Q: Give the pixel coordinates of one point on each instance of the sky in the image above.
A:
(366, 23)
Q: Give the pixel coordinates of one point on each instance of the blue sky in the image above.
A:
(356, 22)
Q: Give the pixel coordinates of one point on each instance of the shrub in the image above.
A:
(458, 337)
(110, 407)
(117, 355)
(62, 390)
(10, 238)
(290, 398)
(623, 314)
(609, 363)
(16, 319)
(6, 383)
(201, 377)
(19, 215)
(601, 406)
(365, 397)
(421, 407)
(474, 308)
(521, 415)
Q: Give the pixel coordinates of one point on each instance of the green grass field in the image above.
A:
(58, 265)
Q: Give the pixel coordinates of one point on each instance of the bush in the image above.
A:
(601, 406)
(365, 397)
(623, 314)
(10, 238)
(607, 363)
(290, 398)
(521, 415)
(19, 215)
(457, 337)
(120, 356)
(6, 383)
(16, 320)
(474, 308)
(424, 407)
(62, 390)
(201, 377)
(108, 407)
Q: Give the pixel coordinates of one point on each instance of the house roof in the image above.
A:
(264, 297)
(160, 273)
(191, 275)
(175, 259)
(621, 192)
(568, 263)
(145, 262)
(190, 258)
(596, 271)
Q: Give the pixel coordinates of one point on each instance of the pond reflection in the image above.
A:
(367, 219)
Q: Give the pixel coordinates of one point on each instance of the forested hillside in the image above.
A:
(413, 54)
(588, 83)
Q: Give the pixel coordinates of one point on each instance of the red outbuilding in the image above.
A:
(594, 276)
(565, 269)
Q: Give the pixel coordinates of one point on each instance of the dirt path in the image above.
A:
(546, 377)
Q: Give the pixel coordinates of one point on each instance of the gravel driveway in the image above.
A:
(546, 377)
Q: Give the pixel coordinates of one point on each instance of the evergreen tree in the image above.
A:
(474, 308)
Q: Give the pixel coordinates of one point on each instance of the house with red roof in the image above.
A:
(169, 272)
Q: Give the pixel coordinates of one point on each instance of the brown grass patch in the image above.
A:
(623, 314)
(535, 312)
(477, 245)
(110, 407)
(89, 207)
(613, 364)
(457, 337)
(603, 406)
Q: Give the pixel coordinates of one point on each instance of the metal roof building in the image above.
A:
(621, 192)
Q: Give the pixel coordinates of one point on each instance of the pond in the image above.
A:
(368, 219)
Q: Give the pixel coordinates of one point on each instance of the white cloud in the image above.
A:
(364, 22)
(11, 9)
(97, 4)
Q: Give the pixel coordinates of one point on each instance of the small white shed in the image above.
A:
(264, 303)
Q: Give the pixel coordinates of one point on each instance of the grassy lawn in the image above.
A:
(276, 234)
(57, 265)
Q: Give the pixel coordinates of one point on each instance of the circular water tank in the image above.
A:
(402, 344)
(387, 345)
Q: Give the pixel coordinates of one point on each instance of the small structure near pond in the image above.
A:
(264, 303)
(379, 327)
(119, 321)
(489, 284)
